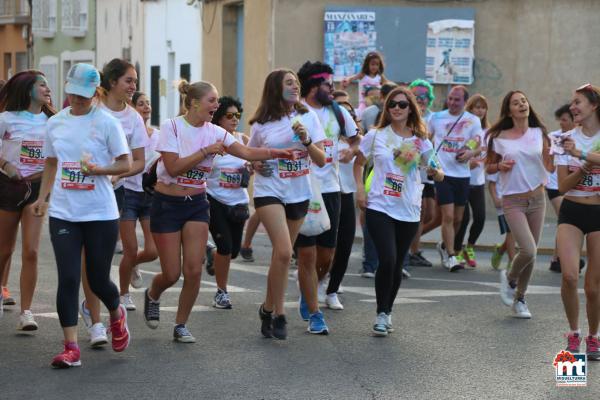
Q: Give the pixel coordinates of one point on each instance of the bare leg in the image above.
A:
(570, 240)
(31, 227)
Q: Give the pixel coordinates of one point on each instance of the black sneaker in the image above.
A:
(151, 311)
(279, 327)
(247, 254)
(266, 322)
(555, 266)
(417, 260)
(210, 259)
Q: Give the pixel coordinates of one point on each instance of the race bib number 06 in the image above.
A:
(72, 178)
(393, 185)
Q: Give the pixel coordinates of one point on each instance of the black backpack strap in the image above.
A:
(339, 117)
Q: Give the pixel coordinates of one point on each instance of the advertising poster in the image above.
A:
(349, 36)
(450, 51)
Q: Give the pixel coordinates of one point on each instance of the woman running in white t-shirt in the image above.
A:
(25, 106)
(579, 217)
(85, 145)
(180, 211)
(282, 187)
(518, 148)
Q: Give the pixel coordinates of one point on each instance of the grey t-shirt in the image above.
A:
(368, 117)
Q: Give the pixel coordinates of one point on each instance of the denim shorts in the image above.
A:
(136, 205)
(169, 214)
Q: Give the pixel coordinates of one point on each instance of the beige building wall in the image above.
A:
(12, 43)
(544, 47)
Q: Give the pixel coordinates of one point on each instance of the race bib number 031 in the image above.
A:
(72, 178)
(295, 167)
(31, 152)
(393, 185)
(195, 177)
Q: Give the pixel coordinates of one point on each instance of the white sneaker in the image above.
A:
(333, 302)
(98, 335)
(26, 322)
(369, 275)
(443, 254)
(452, 264)
(322, 290)
(379, 327)
(127, 301)
(85, 315)
(405, 273)
(388, 324)
(341, 290)
(507, 294)
(520, 309)
(137, 281)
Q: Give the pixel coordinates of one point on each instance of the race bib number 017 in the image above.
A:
(72, 178)
(393, 185)
(31, 152)
(295, 167)
(195, 177)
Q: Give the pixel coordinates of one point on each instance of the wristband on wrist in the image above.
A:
(306, 144)
(583, 155)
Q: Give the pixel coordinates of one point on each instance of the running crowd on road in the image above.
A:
(309, 168)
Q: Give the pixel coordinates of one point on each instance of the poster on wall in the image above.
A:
(450, 51)
(349, 36)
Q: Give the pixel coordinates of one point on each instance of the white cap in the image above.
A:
(82, 80)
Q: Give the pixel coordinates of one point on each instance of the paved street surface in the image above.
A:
(454, 340)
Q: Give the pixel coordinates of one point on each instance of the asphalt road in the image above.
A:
(454, 340)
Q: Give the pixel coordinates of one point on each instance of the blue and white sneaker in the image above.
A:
(182, 334)
(85, 315)
(317, 325)
(303, 308)
(388, 323)
(380, 326)
(222, 300)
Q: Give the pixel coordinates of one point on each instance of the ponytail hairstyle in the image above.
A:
(192, 91)
(111, 72)
(15, 95)
(272, 106)
(505, 122)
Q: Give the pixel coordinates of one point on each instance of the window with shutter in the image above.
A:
(74, 17)
(43, 18)
(49, 66)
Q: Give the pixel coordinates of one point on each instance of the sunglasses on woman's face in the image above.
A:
(402, 104)
(230, 115)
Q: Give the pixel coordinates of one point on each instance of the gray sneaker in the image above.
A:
(222, 300)
(380, 328)
(182, 334)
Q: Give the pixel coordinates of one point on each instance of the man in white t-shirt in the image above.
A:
(315, 253)
(455, 133)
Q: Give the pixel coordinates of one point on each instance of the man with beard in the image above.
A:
(315, 253)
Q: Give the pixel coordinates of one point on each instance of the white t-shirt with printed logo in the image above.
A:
(347, 182)
(22, 136)
(290, 182)
(393, 191)
(467, 128)
(329, 173)
(77, 197)
(178, 136)
(224, 181)
(589, 185)
(478, 173)
(137, 137)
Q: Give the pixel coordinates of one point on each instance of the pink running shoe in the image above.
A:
(573, 342)
(120, 331)
(593, 348)
(68, 358)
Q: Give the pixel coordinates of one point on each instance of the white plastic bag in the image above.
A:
(317, 219)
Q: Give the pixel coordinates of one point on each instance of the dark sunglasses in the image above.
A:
(230, 115)
(402, 104)
(422, 97)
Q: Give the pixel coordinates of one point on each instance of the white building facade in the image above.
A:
(172, 51)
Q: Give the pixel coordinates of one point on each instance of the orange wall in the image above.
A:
(12, 42)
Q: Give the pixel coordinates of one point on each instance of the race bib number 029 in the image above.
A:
(31, 152)
(393, 185)
(72, 178)
(295, 167)
(194, 177)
